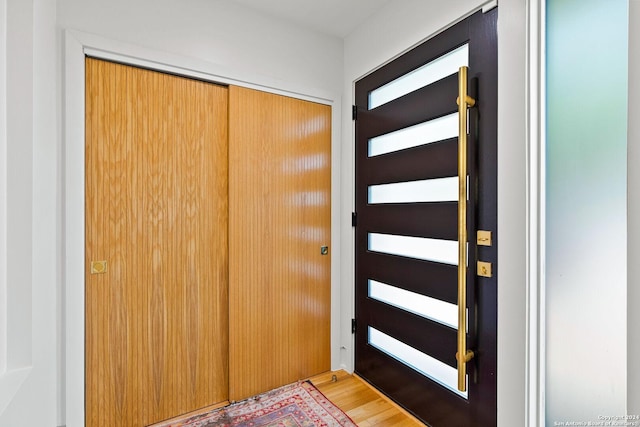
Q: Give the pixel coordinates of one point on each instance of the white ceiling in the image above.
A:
(333, 17)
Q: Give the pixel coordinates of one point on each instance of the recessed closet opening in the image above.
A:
(276, 205)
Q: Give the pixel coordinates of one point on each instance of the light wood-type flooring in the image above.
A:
(364, 405)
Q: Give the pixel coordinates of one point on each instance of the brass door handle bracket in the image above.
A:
(467, 99)
(467, 357)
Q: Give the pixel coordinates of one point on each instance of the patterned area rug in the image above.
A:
(295, 405)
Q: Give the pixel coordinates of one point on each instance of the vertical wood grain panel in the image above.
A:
(279, 217)
(157, 212)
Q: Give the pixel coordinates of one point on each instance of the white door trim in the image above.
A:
(77, 45)
(535, 297)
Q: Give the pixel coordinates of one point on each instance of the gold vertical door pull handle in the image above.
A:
(464, 101)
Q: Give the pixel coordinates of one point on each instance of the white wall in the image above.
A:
(633, 214)
(221, 32)
(512, 213)
(20, 94)
(31, 265)
(3, 187)
(393, 30)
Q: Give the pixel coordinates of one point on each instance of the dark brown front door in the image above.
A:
(407, 226)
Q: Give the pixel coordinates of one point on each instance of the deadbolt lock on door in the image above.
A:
(324, 250)
(484, 238)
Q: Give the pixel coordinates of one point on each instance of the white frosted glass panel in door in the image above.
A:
(436, 250)
(427, 190)
(439, 129)
(431, 72)
(428, 366)
(422, 305)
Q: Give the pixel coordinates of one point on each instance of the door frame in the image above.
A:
(521, 341)
(76, 46)
(535, 351)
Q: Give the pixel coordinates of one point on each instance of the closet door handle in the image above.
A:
(98, 267)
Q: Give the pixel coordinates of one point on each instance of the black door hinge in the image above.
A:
(354, 219)
(353, 326)
(354, 112)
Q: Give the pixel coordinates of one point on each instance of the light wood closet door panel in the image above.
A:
(280, 207)
(157, 212)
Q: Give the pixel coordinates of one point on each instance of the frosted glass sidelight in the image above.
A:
(422, 305)
(431, 72)
(437, 250)
(426, 365)
(444, 127)
(586, 194)
(428, 190)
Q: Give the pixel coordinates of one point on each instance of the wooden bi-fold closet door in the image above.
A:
(156, 245)
(280, 218)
